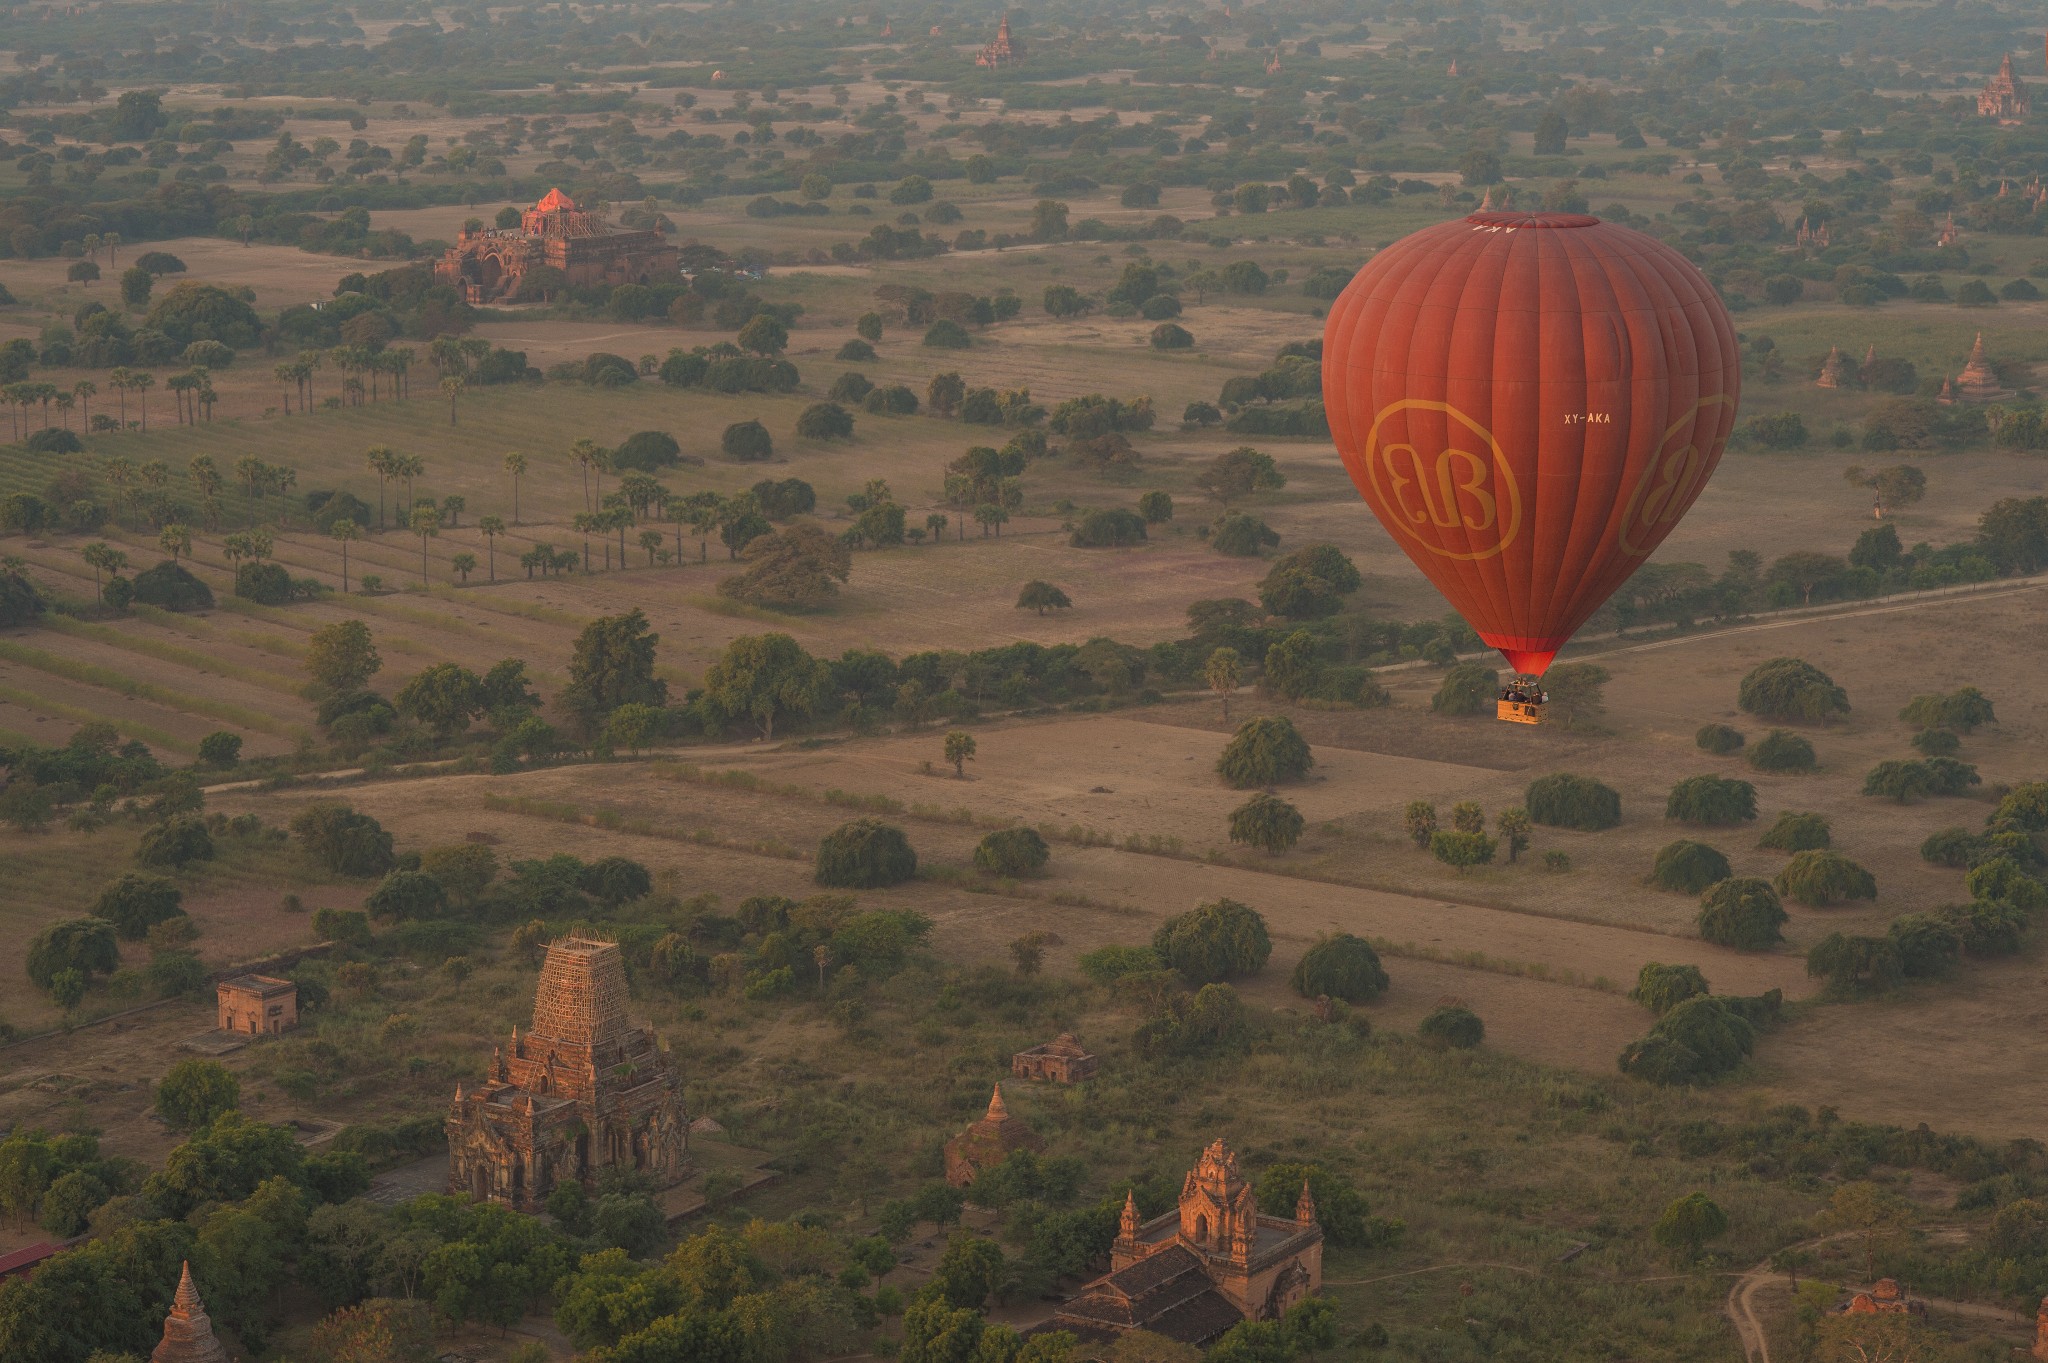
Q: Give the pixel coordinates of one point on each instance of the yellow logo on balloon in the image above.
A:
(1669, 484)
(1431, 492)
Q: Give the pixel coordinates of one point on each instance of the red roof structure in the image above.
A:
(22, 1262)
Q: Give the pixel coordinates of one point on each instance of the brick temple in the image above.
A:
(2004, 96)
(1198, 1270)
(257, 1005)
(1002, 50)
(1063, 1060)
(583, 1091)
(988, 1142)
(488, 265)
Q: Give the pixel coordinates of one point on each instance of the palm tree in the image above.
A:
(91, 242)
(102, 555)
(426, 523)
(583, 522)
(111, 240)
(142, 383)
(121, 380)
(65, 402)
(492, 527)
(344, 529)
(285, 373)
(180, 385)
(121, 475)
(453, 387)
(206, 480)
(176, 539)
(411, 466)
(85, 391)
(585, 452)
(399, 363)
(382, 460)
(515, 464)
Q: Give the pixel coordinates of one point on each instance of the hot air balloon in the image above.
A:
(1529, 402)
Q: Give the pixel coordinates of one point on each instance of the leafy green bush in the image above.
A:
(1012, 852)
(1936, 743)
(1343, 967)
(1853, 964)
(1562, 800)
(1987, 928)
(134, 904)
(1714, 800)
(1957, 848)
(1108, 529)
(2003, 879)
(1217, 940)
(1467, 689)
(1791, 689)
(1742, 912)
(1688, 867)
(1719, 739)
(170, 587)
(175, 842)
(1699, 1040)
(1819, 878)
(1452, 1026)
(1928, 944)
(1781, 750)
(1797, 833)
(1660, 988)
(865, 854)
(1264, 751)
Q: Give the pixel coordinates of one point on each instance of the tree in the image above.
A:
(221, 751)
(1688, 867)
(1797, 833)
(1220, 675)
(1962, 711)
(1513, 827)
(1042, 596)
(959, 749)
(342, 841)
(796, 568)
(865, 854)
(1820, 878)
(1217, 940)
(1237, 474)
(764, 335)
(1156, 507)
(1012, 852)
(1048, 221)
(175, 842)
(136, 903)
(1267, 822)
(86, 945)
(1467, 689)
(1719, 739)
(1264, 752)
(632, 726)
(405, 896)
(1743, 913)
(1451, 1026)
(1563, 800)
(1791, 689)
(1903, 781)
(611, 665)
(1714, 800)
(341, 658)
(194, 1092)
(1688, 1224)
(1309, 583)
(1660, 988)
(1461, 850)
(444, 697)
(1419, 819)
(764, 676)
(748, 442)
(825, 421)
(1877, 1217)
(1782, 750)
(1576, 691)
(1341, 966)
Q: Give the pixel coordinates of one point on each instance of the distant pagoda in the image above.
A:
(1979, 381)
(1833, 370)
(1002, 50)
(2004, 97)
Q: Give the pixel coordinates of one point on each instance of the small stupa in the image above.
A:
(188, 1330)
(1833, 369)
(1979, 382)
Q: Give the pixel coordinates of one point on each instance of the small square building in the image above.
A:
(257, 1005)
(1063, 1060)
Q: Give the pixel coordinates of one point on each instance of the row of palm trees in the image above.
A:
(20, 397)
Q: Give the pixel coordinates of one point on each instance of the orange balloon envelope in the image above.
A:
(1529, 402)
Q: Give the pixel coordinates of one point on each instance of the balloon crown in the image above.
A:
(1530, 221)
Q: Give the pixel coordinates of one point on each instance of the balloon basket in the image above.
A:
(1520, 702)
